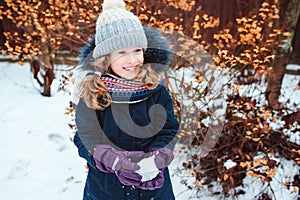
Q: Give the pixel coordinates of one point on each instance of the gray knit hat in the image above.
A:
(117, 28)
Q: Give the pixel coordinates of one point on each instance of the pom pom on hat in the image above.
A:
(107, 4)
(117, 28)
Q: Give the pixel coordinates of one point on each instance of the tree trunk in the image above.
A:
(289, 19)
(46, 61)
(295, 57)
(274, 82)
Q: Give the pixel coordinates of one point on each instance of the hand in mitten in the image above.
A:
(134, 179)
(155, 183)
(129, 178)
(108, 159)
(148, 171)
(163, 157)
(152, 177)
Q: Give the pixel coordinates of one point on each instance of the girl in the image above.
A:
(126, 127)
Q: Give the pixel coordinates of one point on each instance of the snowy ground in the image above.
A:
(38, 159)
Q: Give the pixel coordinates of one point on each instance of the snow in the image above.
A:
(229, 164)
(148, 169)
(40, 161)
(293, 136)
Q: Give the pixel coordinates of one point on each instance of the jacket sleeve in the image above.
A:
(83, 152)
(166, 137)
(88, 126)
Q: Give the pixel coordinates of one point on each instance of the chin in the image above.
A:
(130, 76)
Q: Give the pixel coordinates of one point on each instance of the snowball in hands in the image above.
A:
(148, 169)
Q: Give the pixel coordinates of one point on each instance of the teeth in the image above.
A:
(129, 68)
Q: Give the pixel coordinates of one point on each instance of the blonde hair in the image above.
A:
(94, 92)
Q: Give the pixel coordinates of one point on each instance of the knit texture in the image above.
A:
(117, 28)
(124, 91)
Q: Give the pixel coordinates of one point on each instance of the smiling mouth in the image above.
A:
(131, 68)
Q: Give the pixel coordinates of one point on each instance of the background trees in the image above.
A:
(42, 30)
(46, 31)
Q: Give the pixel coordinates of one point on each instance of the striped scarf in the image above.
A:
(125, 91)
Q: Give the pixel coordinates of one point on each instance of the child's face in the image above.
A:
(126, 62)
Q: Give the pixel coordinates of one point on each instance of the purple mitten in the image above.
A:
(155, 183)
(129, 178)
(108, 159)
(163, 157)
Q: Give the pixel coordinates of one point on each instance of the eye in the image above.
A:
(138, 50)
(122, 52)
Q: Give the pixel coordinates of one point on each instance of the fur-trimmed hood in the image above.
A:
(157, 54)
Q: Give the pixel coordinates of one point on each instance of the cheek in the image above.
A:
(115, 67)
(141, 58)
(116, 63)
